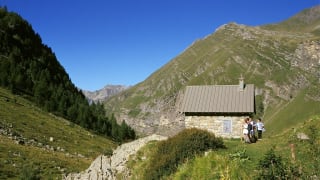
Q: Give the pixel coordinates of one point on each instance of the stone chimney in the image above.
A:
(241, 83)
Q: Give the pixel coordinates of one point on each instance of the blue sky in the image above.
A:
(102, 42)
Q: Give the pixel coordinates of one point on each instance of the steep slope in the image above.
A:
(39, 144)
(283, 65)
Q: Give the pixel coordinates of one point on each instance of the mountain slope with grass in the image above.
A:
(37, 142)
(281, 60)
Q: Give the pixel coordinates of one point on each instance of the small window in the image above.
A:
(227, 126)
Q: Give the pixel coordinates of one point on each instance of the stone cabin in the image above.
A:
(220, 109)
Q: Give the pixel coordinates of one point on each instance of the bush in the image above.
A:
(176, 150)
(274, 167)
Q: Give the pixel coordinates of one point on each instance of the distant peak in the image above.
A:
(231, 25)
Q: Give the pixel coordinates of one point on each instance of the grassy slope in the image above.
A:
(286, 115)
(79, 146)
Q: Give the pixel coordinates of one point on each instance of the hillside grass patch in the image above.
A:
(212, 166)
(71, 147)
(15, 158)
(292, 113)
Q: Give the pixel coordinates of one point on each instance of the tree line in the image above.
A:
(30, 68)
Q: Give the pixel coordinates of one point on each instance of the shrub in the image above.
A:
(314, 150)
(178, 149)
(274, 167)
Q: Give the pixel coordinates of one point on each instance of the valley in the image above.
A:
(49, 129)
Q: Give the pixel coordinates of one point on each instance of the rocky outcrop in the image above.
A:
(106, 168)
(307, 56)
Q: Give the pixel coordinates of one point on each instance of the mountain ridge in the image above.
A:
(104, 93)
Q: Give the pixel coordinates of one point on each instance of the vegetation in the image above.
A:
(30, 68)
(212, 166)
(35, 143)
(273, 167)
(178, 149)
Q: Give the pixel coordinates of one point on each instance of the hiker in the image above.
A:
(252, 129)
(245, 131)
(250, 126)
(260, 127)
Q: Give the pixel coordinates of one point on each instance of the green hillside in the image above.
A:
(281, 63)
(25, 145)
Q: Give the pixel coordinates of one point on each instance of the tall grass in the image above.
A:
(212, 166)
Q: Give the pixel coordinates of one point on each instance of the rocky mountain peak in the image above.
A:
(104, 93)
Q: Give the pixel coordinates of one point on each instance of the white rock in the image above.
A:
(106, 168)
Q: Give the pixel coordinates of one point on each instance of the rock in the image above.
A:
(20, 141)
(80, 155)
(121, 154)
(106, 168)
(302, 136)
(98, 170)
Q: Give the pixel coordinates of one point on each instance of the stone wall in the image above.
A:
(218, 124)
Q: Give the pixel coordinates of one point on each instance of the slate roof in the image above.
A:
(218, 99)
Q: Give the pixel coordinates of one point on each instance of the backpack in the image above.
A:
(253, 138)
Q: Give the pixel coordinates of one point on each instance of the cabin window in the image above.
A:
(227, 126)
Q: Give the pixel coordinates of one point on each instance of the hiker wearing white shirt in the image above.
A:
(260, 127)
